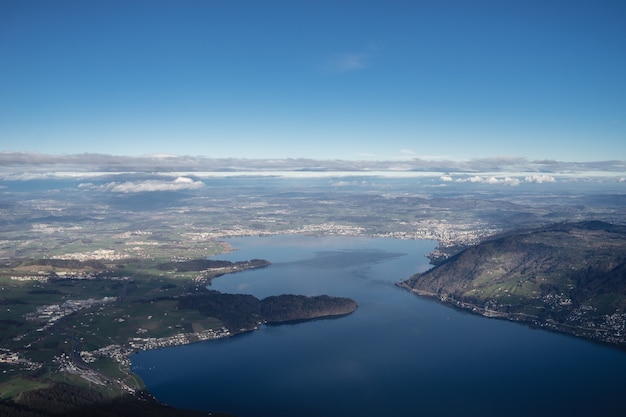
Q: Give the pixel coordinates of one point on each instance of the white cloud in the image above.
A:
(445, 178)
(180, 183)
(477, 179)
(511, 181)
(539, 179)
(343, 183)
(347, 62)
(25, 166)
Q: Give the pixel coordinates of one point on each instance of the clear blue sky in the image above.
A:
(321, 79)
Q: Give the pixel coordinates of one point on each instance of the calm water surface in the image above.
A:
(398, 354)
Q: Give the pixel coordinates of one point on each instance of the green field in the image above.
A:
(15, 386)
(141, 302)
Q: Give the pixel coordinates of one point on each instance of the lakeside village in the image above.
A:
(582, 321)
(51, 314)
(121, 354)
(446, 233)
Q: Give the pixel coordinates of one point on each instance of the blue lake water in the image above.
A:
(397, 354)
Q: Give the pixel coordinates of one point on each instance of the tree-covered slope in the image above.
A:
(570, 277)
(241, 312)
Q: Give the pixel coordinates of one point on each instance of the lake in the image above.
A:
(397, 354)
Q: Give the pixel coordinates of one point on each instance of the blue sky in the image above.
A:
(370, 80)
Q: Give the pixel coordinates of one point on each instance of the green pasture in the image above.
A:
(14, 386)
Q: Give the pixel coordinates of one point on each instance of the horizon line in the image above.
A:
(14, 157)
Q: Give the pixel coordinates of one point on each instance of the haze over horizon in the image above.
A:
(399, 81)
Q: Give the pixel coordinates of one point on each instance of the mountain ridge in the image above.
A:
(567, 277)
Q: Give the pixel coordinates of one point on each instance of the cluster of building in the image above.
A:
(556, 301)
(66, 364)
(330, 228)
(451, 234)
(148, 343)
(48, 228)
(43, 276)
(50, 314)
(608, 327)
(127, 235)
(107, 254)
(12, 358)
(616, 324)
(446, 233)
(40, 278)
(118, 353)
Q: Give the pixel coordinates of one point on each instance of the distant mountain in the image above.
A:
(568, 277)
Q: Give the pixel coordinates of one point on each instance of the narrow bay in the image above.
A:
(398, 354)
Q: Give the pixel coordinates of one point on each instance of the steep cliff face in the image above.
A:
(573, 274)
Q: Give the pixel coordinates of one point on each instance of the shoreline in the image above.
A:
(585, 333)
(121, 354)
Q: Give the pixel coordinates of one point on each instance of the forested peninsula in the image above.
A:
(242, 312)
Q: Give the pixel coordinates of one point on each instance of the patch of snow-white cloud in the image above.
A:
(479, 179)
(179, 184)
(539, 179)
(343, 183)
(506, 180)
